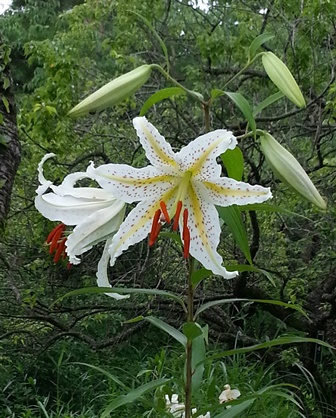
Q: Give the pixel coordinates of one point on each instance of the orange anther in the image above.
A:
(165, 212)
(177, 215)
(60, 249)
(154, 233)
(54, 241)
(186, 234)
(53, 232)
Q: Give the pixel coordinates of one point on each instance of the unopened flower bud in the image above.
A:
(113, 92)
(289, 170)
(278, 72)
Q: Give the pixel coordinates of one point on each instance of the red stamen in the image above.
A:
(177, 215)
(60, 249)
(157, 231)
(165, 212)
(153, 233)
(55, 239)
(53, 232)
(186, 234)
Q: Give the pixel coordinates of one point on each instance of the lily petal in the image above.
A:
(225, 191)
(93, 229)
(132, 184)
(134, 229)
(199, 156)
(44, 183)
(102, 279)
(158, 151)
(204, 227)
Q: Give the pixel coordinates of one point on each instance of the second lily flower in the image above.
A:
(185, 186)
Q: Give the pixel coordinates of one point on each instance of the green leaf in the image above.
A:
(266, 207)
(192, 330)
(272, 343)
(197, 363)
(5, 103)
(104, 372)
(173, 332)
(232, 217)
(246, 267)
(121, 290)
(133, 395)
(234, 163)
(233, 300)
(256, 44)
(198, 275)
(161, 95)
(245, 108)
(235, 410)
(267, 102)
(216, 93)
(4, 140)
(6, 83)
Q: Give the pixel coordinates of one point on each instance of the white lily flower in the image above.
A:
(189, 182)
(228, 394)
(95, 213)
(178, 409)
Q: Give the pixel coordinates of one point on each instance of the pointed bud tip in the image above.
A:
(113, 92)
(280, 75)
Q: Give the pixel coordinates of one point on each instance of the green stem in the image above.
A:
(194, 94)
(190, 318)
(249, 63)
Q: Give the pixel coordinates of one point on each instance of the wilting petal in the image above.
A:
(158, 150)
(199, 156)
(132, 184)
(204, 227)
(102, 279)
(134, 229)
(226, 192)
(93, 229)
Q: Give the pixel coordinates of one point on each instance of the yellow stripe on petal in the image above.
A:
(137, 225)
(225, 191)
(158, 150)
(196, 167)
(203, 223)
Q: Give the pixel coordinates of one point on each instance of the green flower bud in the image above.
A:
(278, 72)
(113, 92)
(289, 170)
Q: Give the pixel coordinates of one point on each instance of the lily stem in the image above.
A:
(190, 318)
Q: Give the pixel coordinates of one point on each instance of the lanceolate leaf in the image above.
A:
(267, 102)
(122, 290)
(197, 362)
(106, 373)
(245, 107)
(133, 396)
(159, 96)
(232, 217)
(175, 333)
(234, 163)
(270, 208)
(289, 339)
(236, 410)
(233, 300)
(247, 267)
(257, 42)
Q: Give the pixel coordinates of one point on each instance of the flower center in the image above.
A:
(57, 239)
(162, 215)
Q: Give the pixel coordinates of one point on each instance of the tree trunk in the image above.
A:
(10, 152)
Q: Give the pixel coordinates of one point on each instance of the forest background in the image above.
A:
(52, 54)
